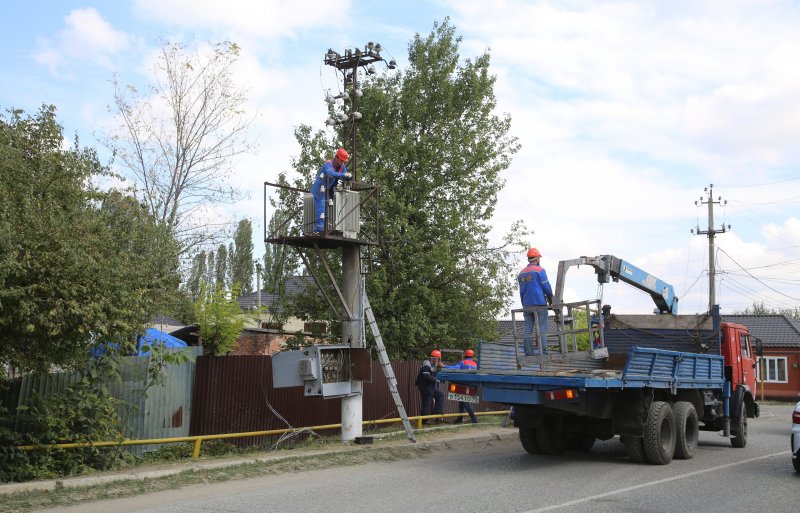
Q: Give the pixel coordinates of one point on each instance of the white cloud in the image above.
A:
(87, 37)
(626, 110)
(263, 18)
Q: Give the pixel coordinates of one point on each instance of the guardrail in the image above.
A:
(198, 440)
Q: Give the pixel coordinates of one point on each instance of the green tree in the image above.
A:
(220, 321)
(761, 309)
(197, 276)
(77, 265)
(221, 271)
(177, 140)
(242, 259)
(430, 139)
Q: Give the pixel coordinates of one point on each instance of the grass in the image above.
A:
(303, 455)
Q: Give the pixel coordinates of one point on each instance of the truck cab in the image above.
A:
(740, 362)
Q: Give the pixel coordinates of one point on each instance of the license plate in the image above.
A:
(463, 398)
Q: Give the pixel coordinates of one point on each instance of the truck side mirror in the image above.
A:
(759, 347)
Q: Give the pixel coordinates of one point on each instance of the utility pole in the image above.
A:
(711, 232)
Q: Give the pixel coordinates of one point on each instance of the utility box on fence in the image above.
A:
(342, 213)
(323, 370)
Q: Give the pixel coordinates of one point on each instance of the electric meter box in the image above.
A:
(322, 370)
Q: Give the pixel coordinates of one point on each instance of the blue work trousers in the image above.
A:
(541, 314)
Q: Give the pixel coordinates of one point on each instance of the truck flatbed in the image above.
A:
(645, 367)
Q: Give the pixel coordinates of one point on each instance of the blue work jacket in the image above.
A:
(328, 177)
(466, 363)
(534, 288)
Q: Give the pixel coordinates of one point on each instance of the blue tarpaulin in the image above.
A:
(152, 337)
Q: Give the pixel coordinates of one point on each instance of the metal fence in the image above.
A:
(163, 412)
(211, 395)
(234, 394)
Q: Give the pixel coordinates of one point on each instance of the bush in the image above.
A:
(81, 413)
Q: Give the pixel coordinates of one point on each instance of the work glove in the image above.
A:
(348, 175)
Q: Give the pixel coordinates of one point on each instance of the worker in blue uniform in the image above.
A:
(430, 395)
(463, 406)
(325, 183)
(534, 291)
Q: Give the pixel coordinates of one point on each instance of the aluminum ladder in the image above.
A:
(387, 368)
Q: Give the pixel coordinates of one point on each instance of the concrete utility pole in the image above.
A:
(711, 232)
(351, 332)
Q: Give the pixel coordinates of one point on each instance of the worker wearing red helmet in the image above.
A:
(534, 291)
(431, 396)
(463, 406)
(325, 183)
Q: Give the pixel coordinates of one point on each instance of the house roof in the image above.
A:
(774, 330)
(294, 286)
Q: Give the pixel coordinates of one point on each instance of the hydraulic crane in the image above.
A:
(609, 267)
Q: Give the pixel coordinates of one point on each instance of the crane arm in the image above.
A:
(609, 267)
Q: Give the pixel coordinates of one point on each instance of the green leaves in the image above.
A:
(431, 140)
(77, 264)
(220, 320)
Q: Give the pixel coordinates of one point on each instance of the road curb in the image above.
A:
(448, 441)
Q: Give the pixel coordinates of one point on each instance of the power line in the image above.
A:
(759, 281)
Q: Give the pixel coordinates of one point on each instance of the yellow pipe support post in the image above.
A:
(198, 444)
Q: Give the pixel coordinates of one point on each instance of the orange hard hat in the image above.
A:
(469, 352)
(533, 253)
(436, 353)
(342, 154)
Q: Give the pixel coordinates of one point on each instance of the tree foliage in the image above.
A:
(76, 264)
(761, 309)
(220, 321)
(177, 141)
(242, 265)
(431, 141)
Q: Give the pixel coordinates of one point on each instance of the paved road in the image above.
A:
(500, 476)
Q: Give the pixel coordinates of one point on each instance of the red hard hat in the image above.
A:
(436, 353)
(533, 252)
(469, 352)
(342, 154)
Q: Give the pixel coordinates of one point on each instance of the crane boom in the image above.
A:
(609, 267)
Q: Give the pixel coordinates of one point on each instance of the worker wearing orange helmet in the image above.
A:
(431, 396)
(325, 183)
(464, 407)
(535, 293)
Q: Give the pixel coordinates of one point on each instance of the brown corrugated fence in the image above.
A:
(234, 394)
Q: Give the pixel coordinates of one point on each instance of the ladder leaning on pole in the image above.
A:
(387, 368)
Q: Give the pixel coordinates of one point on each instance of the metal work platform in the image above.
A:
(319, 241)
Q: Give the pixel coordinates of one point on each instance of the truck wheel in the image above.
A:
(688, 430)
(659, 433)
(528, 438)
(634, 448)
(796, 464)
(550, 436)
(739, 429)
(582, 442)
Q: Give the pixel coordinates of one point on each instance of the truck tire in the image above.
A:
(739, 429)
(528, 438)
(659, 433)
(634, 448)
(550, 436)
(582, 442)
(688, 430)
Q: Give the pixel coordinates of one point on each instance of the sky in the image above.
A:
(626, 112)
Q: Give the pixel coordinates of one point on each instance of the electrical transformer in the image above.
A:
(342, 213)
